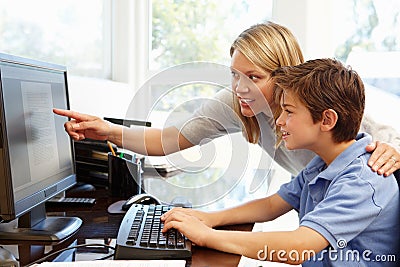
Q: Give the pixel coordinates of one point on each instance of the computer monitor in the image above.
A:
(36, 154)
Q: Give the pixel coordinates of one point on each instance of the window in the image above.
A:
(371, 45)
(193, 37)
(187, 44)
(200, 30)
(71, 33)
(372, 39)
(363, 34)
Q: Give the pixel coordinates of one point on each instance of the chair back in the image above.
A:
(397, 176)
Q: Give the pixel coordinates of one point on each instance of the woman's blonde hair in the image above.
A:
(269, 46)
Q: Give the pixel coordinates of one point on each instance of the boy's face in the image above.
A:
(296, 124)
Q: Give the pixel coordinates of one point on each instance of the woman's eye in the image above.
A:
(253, 77)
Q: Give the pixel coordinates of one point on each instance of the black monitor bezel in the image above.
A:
(9, 208)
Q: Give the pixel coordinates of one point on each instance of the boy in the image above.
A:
(349, 216)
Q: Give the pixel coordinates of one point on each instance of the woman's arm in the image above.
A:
(145, 141)
(385, 150)
(152, 141)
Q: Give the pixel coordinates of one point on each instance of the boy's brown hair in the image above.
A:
(323, 84)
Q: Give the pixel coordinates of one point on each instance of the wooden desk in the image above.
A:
(101, 227)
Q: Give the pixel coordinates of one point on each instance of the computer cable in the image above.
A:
(69, 248)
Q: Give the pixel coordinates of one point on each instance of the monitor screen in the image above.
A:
(36, 154)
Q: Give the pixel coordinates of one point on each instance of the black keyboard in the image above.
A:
(140, 236)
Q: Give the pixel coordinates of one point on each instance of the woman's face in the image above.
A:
(252, 85)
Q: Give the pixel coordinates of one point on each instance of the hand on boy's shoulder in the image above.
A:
(384, 158)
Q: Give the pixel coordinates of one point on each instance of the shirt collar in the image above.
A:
(318, 167)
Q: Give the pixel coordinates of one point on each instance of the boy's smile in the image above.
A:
(296, 124)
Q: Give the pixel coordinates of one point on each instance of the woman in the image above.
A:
(255, 53)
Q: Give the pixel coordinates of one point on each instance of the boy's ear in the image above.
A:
(329, 119)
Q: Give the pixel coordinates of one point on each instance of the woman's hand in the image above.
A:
(189, 225)
(385, 159)
(84, 126)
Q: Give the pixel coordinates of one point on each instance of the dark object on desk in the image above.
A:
(7, 259)
(91, 156)
(120, 207)
(140, 237)
(81, 189)
(78, 196)
(124, 175)
(71, 201)
(116, 207)
(144, 199)
(91, 160)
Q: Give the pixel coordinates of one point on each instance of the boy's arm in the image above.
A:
(291, 247)
(271, 246)
(258, 210)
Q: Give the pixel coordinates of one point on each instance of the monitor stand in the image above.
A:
(36, 226)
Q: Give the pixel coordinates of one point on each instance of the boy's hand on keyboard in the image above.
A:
(205, 217)
(190, 226)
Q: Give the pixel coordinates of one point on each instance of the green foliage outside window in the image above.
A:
(193, 30)
(366, 20)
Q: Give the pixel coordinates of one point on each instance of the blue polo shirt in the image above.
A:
(354, 208)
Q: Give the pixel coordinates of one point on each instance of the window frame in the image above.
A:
(131, 53)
